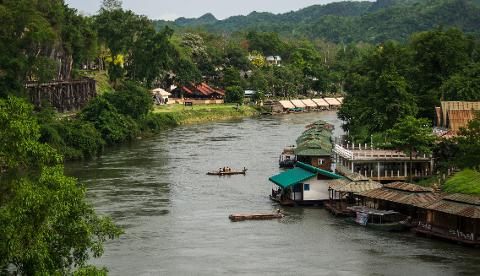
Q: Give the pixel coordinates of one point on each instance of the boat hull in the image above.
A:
(226, 173)
(388, 227)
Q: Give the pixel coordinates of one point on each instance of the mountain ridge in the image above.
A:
(349, 21)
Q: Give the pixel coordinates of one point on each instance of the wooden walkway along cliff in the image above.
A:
(62, 95)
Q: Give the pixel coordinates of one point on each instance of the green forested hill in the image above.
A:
(352, 21)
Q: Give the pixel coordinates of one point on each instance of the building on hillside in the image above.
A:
(454, 217)
(450, 116)
(381, 165)
(274, 60)
(200, 91)
(302, 185)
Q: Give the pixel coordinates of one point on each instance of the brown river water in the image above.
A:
(176, 222)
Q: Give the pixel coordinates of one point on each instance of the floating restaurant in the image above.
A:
(314, 146)
(302, 185)
(342, 192)
(381, 165)
(454, 217)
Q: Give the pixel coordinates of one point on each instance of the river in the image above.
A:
(176, 222)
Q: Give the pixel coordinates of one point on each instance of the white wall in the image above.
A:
(318, 189)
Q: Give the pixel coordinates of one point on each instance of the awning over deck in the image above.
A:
(299, 174)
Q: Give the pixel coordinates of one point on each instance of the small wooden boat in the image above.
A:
(242, 217)
(222, 173)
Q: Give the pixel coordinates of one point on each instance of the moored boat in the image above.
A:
(287, 159)
(390, 221)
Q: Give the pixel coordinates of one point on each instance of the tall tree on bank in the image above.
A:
(412, 136)
(380, 77)
(46, 225)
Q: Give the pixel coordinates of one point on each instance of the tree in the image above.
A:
(131, 100)
(380, 77)
(234, 94)
(463, 86)
(110, 5)
(46, 225)
(438, 55)
(152, 56)
(28, 36)
(231, 77)
(412, 136)
(468, 155)
(186, 73)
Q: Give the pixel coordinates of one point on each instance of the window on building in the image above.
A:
(321, 161)
(306, 187)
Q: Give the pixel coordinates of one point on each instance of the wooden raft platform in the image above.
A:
(242, 217)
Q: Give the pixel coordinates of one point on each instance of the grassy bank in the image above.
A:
(173, 115)
(465, 182)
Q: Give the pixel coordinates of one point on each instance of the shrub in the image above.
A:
(83, 136)
(113, 126)
(131, 100)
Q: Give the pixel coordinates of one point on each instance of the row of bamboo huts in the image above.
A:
(301, 105)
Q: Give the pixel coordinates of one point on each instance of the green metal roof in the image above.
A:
(291, 177)
(299, 174)
(312, 152)
(317, 170)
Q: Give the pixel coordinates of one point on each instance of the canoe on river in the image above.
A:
(242, 217)
(221, 173)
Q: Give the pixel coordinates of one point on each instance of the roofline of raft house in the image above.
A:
(308, 172)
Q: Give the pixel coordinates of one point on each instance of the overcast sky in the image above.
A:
(172, 9)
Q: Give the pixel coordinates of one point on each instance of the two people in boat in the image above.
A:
(228, 169)
(225, 169)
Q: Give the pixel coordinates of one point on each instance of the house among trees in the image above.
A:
(453, 115)
(201, 91)
(274, 60)
(302, 185)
